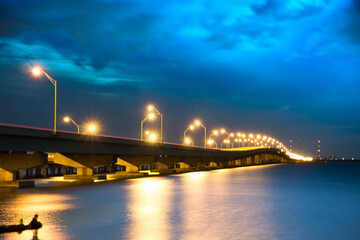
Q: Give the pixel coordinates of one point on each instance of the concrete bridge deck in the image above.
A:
(25, 148)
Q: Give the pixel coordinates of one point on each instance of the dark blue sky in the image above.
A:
(288, 69)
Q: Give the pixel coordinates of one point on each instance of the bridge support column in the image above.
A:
(6, 175)
(7, 180)
(182, 167)
(129, 168)
(84, 173)
(21, 174)
(213, 164)
(163, 168)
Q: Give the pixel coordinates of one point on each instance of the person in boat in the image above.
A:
(35, 224)
(21, 226)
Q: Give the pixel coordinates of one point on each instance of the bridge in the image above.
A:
(40, 153)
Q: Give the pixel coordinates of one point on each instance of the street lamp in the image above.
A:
(188, 141)
(151, 136)
(210, 142)
(198, 123)
(37, 71)
(149, 116)
(226, 141)
(68, 119)
(192, 127)
(91, 128)
(152, 116)
(222, 131)
(214, 132)
(152, 108)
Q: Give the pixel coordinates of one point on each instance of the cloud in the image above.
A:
(352, 26)
(289, 10)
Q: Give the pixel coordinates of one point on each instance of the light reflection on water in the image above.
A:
(268, 202)
(48, 206)
(149, 207)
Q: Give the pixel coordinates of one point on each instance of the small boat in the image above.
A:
(19, 228)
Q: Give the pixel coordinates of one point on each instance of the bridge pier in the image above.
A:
(11, 162)
(129, 168)
(6, 176)
(83, 173)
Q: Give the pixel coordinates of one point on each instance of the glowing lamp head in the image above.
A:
(225, 141)
(152, 137)
(244, 135)
(236, 140)
(66, 119)
(150, 107)
(92, 128)
(210, 141)
(36, 71)
(187, 140)
(197, 122)
(147, 132)
(216, 132)
(251, 135)
(239, 134)
(231, 134)
(192, 127)
(258, 136)
(151, 116)
(222, 130)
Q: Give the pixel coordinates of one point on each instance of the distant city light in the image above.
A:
(298, 157)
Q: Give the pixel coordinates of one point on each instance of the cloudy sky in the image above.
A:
(285, 68)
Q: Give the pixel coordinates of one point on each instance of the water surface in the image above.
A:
(286, 201)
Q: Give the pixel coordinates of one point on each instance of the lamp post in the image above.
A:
(228, 136)
(150, 116)
(214, 132)
(188, 141)
(198, 123)
(68, 119)
(37, 71)
(210, 142)
(151, 108)
(192, 127)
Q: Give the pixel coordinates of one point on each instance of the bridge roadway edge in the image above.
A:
(22, 148)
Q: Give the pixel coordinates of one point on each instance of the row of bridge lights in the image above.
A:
(241, 139)
(231, 139)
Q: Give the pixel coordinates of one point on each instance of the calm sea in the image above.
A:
(285, 201)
